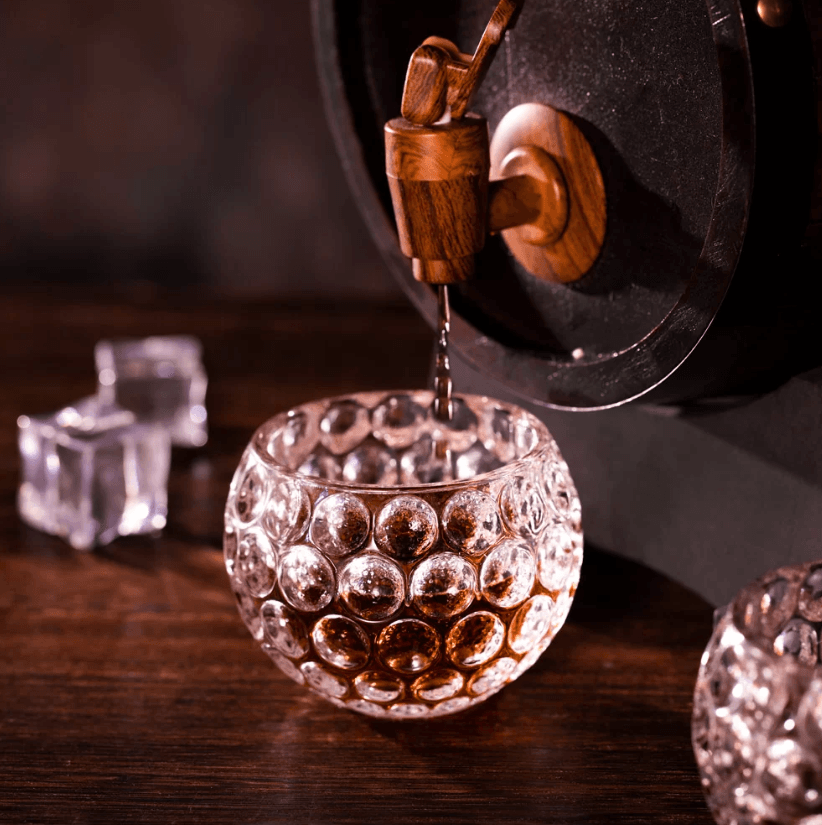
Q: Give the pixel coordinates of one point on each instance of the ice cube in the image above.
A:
(161, 379)
(92, 472)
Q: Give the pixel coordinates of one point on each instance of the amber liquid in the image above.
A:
(443, 385)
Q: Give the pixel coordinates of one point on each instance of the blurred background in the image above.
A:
(173, 144)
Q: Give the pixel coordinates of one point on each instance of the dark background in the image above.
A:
(176, 150)
(173, 143)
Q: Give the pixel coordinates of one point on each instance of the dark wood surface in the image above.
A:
(130, 691)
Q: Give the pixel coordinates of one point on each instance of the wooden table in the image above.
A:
(130, 691)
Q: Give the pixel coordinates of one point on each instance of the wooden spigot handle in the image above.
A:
(440, 76)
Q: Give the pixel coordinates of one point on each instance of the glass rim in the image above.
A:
(739, 609)
(266, 432)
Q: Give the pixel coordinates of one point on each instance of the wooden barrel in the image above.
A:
(704, 120)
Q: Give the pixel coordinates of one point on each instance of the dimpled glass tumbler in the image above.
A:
(398, 565)
(757, 719)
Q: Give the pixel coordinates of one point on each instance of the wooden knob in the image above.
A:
(562, 243)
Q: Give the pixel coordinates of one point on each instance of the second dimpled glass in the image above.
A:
(398, 565)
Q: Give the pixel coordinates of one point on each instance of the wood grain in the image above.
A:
(571, 255)
(531, 195)
(438, 177)
(439, 75)
(130, 690)
(425, 93)
(512, 201)
(438, 171)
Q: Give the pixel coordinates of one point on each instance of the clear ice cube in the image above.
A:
(161, 379)
(92, 472)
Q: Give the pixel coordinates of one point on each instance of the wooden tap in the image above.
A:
(438, 161)
(438, 166)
